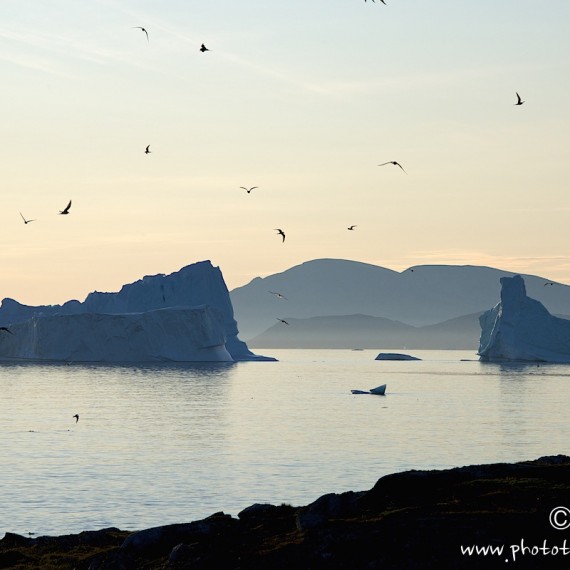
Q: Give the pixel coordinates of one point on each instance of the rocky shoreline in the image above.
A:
(414, 519)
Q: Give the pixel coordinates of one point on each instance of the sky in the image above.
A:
(303, 99)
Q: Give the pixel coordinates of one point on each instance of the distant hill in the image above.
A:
(363, 331)
(419, 296)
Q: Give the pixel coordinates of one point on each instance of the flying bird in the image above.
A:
(76, 416)
(280, 232)
(394, 163)
(66, 209)
(519, 100)
(278, 295)
(282, 321)
(6, 329)
(380, 1)
(350, 227)
(203, 48)
(141, 28)
(26, 221)
(147, 149)
(248, 190)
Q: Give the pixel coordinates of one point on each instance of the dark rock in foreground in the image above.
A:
(415, 519)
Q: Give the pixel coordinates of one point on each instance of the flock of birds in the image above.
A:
(280, 231)
(63, 212)
(147, 150)
(352, 227)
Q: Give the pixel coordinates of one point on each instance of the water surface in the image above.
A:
(164, 444)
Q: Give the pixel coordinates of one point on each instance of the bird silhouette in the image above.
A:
(141, 28)
(26, 221)
(350, 227)
(76, 416)
(66, 209)
(248, 190)
(6, 329)
(278, 295)
(380, 1)
(394, 163)
(519, 100)
(280, 232)
(282, 321)
(147, 149)
(203, 48)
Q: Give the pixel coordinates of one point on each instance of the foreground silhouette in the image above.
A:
(413, 519)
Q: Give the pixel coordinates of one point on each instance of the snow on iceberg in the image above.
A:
(184, 316)
(521, 328)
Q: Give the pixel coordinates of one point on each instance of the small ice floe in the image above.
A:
(395, 356)
(378, 391)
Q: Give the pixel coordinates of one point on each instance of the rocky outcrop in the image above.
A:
(415, 519)
(520, 328)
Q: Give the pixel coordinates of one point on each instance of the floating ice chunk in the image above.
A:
(395, 356)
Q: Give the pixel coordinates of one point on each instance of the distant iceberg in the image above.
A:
(395, 356)
(521, 328)
(184, 316)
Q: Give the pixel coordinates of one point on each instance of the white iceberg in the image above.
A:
(184, 316)
(521, 328)
(163, 335)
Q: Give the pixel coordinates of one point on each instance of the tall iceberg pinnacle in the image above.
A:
(521, 328)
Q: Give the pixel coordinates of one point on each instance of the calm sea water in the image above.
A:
(158, 445)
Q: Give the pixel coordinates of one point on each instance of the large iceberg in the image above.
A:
(184, 316)
(520, 328)
(179, 335)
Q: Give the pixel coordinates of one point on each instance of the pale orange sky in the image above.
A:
(303, 100)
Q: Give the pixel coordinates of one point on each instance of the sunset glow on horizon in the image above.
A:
(303, 100)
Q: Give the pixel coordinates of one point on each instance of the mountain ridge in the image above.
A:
(420, 295)
(367, 332)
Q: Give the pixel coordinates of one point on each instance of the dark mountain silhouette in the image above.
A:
(419, 296)
(363, 331)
